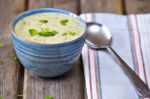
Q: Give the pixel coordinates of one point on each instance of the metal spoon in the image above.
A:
(98, 37)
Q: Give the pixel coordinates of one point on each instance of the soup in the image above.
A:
(49, 28)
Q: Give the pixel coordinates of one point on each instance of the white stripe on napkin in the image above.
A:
(137, 46)
(131, 40)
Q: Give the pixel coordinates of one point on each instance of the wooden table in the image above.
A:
(16, 83)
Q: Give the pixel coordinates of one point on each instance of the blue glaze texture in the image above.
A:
(48, 60)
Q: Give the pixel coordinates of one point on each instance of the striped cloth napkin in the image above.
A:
(131, 40)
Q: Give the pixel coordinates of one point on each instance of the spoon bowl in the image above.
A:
(98, 36)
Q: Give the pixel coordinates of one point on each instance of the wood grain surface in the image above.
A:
(70, 5)
(9, 66)
(67, 86)
(137, 6)
(112, 6)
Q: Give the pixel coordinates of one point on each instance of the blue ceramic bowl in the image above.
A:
(48, 60)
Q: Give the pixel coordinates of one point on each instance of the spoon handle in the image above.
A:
(140, 86)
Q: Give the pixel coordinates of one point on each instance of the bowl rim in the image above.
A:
(30, 12)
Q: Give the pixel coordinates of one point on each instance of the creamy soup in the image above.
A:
(49, 28)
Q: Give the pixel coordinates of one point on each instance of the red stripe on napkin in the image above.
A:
(134, 48)
(141, 50)
(89, 72)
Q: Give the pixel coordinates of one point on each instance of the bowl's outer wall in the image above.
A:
(47, 60)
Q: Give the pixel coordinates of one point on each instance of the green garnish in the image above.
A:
(48, 97)
(72, 33)
(33, 32)
(1, 63)
(43, 21)
(1, 44)
(1, 97)
(14, 57)
(64, 34)
(64, 22)
(69, 33)
(47, 32)
(54, 31)
(46, 29)
(20, 95)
